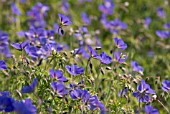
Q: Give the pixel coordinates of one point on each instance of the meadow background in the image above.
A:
(143, 46)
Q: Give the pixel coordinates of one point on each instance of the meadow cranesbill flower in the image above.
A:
(166, 86)
(30, 88)
(76, 94)
(94, 104)
(107, 7)
(163, 34)
(4, 49)
(160, 12)
(15, 10)
(21, 46)
(120, 57)
(147, 22)
(6, 102)
(74, 70)
(123, 92)
(24, 107)
(136, 67)
(31, 51)
(104, 59)
(64, 20)
(59, 88)
(2, 65)
(58, 75)
(143, 92)
(150, 110)
(85, 18)
(120, 43)
(92, 52)
(65, 6)
(167, 26)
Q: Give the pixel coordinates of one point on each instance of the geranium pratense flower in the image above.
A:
(107, 7)
(65, 6)
(15, 10)
(144, 92)
(6, 102)
(150, 110)
(59, 88)
(167, 26)
(21, 46)
(120, 57)
(123, 92)
(163, 34)
(92, 52)
(120, 43)
(74, 70)
(166, 86)
(2, 65)
(31, 88)
(104, 59)
(24, 107)
(85, 18)
(94, 104)
(160, 12)
(147, 22)
(58, 75)
(4, 44)
(136, 67)
(64, 20)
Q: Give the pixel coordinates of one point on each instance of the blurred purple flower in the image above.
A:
(85, 18)
(135, 66)
(104, 59)
(31, 51)
(23, 1)
(163, 34)
(59, 88)
(58, 75)
(15, 10)
(147, 22)
(167, 26)
(166, 86)
(123, 92)
(24, 107)
(30, 88)
(150, 110)
(92, 52)
(144, 92)
(120, 57)
(120, 43)
(6, 102)
(58, 30)
(74, 70)
(107, 7)
(21, 46)
(65, 6)
(104, 21)
(64, 20)
(2, 65)
(160, 12)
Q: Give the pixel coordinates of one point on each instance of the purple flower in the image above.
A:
(30, 88)
(120, 43)
(59, 88)
(6, 102)
(166, 86)
(64, 20)
(74, 70)
(135, 66)
(167, 26)
(4, 44)
(21, 46)
(150, 110)
(107, 7)
(24, 107)
(92, 52)
(144, 92)
(161, 13)
(15, 10)
(2, 65)
(147, 22)
(58, 75)
(65, 6)
(80, 94)
(123, 92)
(94, 104)
(104, 59)
(120, 57)
(58, 30)
(163, 34)
(23, 1)
(85, 18)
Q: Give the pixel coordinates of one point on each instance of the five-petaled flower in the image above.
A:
(58, 75)
(59, 88)
(150, 110)
(74, 70)
(120, 43)
(136, 67)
